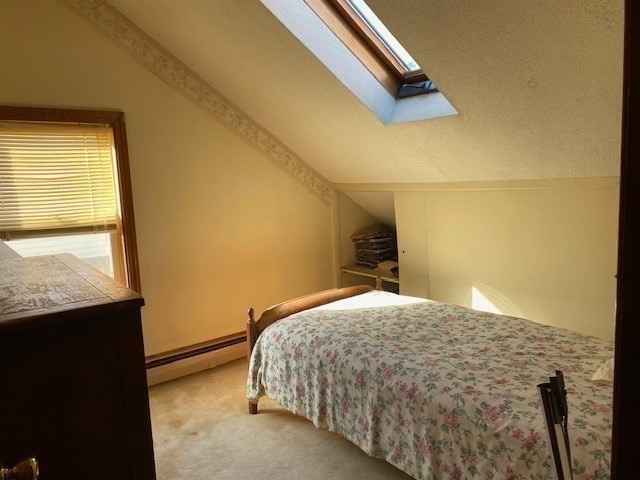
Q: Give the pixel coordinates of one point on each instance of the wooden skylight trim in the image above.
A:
(345, 22)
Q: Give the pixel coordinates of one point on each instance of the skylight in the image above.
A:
(383, 33)
(360, 51)
(406, 77)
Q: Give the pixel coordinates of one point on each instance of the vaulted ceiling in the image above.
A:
(537, 84)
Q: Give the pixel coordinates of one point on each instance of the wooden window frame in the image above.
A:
(115, 120)
(341, 18)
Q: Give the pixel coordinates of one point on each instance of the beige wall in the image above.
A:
(545, 250)
(546, 255)
(352, 217)
(220, 228)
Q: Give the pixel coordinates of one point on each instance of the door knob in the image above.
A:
(25, 470)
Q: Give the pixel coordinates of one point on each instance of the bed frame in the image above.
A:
(284, 309)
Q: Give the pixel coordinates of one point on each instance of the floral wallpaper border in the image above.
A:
(124, 33)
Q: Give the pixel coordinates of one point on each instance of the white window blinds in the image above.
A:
(56, 178)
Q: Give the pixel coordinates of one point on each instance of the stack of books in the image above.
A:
(375, 244)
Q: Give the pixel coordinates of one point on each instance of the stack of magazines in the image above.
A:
(375, 244)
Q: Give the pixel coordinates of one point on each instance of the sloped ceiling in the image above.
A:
(538, 86)
(379, 204)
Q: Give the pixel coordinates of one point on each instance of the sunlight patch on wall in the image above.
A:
(480, 302)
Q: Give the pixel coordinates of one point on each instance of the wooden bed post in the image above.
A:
(252, 337)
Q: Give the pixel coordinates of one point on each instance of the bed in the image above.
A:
(439, 391)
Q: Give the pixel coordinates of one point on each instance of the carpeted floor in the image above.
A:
(202, 430)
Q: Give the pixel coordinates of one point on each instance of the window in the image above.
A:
(64, 187)
(351, 41)
(405, 77)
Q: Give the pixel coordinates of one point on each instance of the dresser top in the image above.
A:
(56, 288)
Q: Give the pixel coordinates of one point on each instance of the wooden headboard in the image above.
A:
(284, 309)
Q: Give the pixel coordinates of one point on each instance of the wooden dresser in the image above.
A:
(73, 391)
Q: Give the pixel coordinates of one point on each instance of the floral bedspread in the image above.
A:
(440, 391)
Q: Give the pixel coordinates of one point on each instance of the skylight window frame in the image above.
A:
(377, 45)
(336, 44)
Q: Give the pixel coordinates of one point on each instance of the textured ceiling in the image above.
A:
(537, 83)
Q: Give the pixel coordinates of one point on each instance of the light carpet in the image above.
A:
(202, 430)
